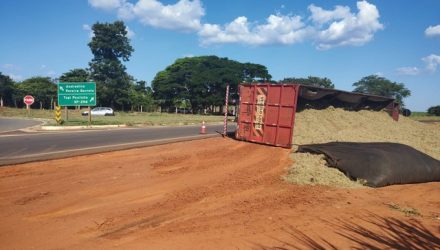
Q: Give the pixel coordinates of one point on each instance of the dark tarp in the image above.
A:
(321, 98)
(380, 164)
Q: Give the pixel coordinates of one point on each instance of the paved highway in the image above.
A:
(11, 124)
(26, 147)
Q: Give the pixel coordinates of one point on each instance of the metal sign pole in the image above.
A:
(90, 115)
(225, 122)
(67, 113)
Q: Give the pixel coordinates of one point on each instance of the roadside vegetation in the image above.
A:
(195, 83)
(424, 116)
(120, 118)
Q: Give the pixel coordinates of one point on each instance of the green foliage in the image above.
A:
(141, 96)
(434, 110)
(109, 45)
(202, 80)
(41, 88)
(311, 80)
(377, 85)
(76, 75)
(6, 89)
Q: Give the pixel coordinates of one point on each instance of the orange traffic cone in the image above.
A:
(203, 128)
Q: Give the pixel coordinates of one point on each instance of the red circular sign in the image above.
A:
(28, 100)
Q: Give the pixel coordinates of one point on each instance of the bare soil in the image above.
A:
(207, 194)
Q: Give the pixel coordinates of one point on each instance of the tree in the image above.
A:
(434, 110)
(377, 85)
(41, 88)
(109, 46)
(76, 75)
(202, 81)
(311, 80)
(6, 89)
(141, 97)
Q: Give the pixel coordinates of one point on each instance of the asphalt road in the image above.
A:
(11, 124)
(20, 148)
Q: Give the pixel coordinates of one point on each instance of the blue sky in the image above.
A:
(341, 40)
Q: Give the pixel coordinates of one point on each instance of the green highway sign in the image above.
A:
(77, 94)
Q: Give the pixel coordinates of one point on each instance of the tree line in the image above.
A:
(194, 83)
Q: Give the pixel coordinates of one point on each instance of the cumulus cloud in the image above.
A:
(278, 29)
(184, 15)
(328, 28)
(325, 28)
(431, 64)
(433, 30)
(321, 16)
(432, 61)
(412, 71)
(346, 28)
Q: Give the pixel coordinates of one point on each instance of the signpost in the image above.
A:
(77, 94)
(28, 100)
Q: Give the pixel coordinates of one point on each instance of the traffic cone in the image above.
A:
(203, 128)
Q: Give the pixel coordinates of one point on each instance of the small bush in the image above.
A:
(434, 110)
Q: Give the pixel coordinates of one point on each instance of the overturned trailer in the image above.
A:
(267, 111)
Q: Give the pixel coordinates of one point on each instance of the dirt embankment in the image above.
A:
(208, 194)
(321, 126)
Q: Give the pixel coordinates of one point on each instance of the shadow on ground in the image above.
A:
(376, 233)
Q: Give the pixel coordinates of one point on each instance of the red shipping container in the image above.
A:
(267, 113)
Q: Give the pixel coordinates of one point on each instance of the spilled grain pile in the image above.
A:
(321, 126)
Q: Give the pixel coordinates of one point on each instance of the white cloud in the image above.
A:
(185, 15)
(130, 33)
(106, 4)
(432, 61)
(329, 28)
(431, 64)
(346, 28)
(278, 29)
(321, 16)
(433, 30)
(412, 71)
(87, 28)
(325, 28)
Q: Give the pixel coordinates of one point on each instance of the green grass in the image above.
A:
(424, 116)
(120, 118)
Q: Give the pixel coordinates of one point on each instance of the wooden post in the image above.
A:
(225, 125)
(67, 113)
(28, 109)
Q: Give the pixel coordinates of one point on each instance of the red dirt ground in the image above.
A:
(207, 194)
